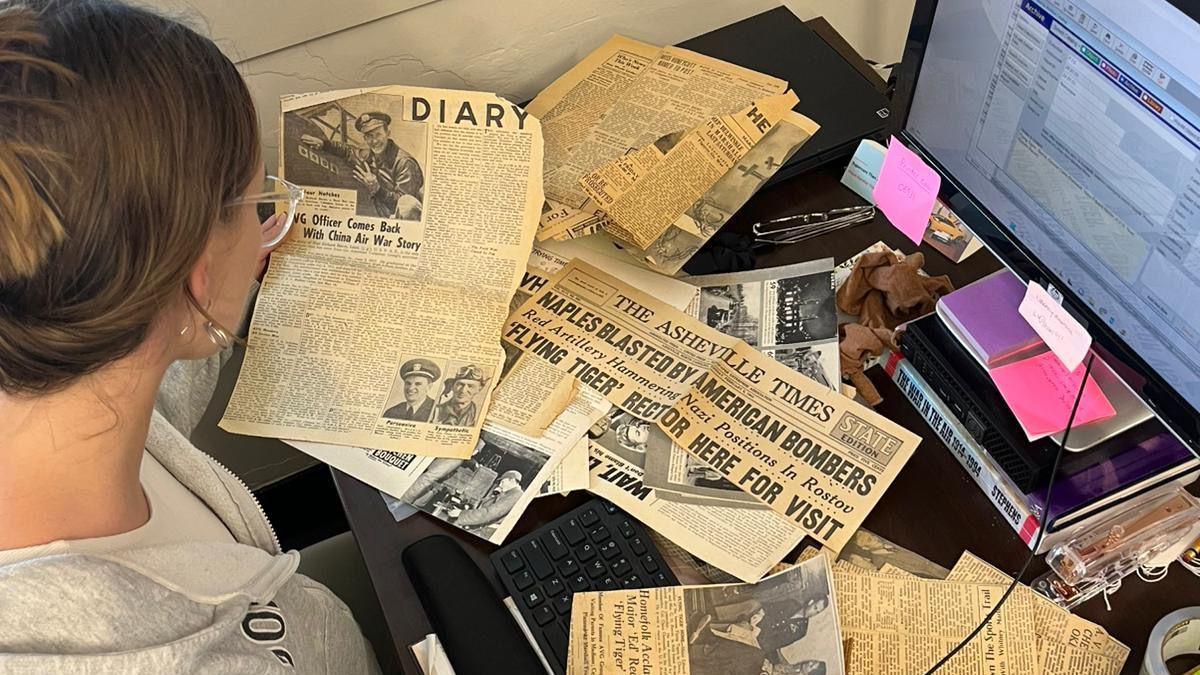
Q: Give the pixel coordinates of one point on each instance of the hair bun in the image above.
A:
(30, 224)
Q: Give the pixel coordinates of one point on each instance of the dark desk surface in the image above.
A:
(933, 507)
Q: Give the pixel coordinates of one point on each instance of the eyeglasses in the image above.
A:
(279, 197)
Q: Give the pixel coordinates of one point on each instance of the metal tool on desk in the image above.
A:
(791, 229)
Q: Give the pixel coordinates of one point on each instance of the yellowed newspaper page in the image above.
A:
(640, 205)
(745, 542)
(571, 473)
(907, 624)
(809, 453)
(378, 322)
(1066, 643)
(786, 623)
(680, 241)
(574, 103)
(676, 90)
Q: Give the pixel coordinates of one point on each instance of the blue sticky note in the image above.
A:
(864, 169)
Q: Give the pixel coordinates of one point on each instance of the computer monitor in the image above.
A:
(1067, 133)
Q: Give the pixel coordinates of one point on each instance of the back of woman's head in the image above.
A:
(122, 134)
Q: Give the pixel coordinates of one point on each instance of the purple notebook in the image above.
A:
(984, 315)
(1126, 469)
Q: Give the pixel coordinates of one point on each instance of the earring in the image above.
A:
(184, 330)
(218, 335)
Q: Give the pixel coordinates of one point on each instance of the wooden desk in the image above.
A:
(933, 507)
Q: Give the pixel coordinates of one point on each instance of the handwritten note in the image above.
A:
(1041, 392)
(906, 190)
(1059, 330)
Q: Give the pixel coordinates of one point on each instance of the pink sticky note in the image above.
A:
(1041, 392)
(906, 190)
(1059, 330)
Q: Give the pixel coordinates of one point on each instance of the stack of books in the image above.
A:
(983, 318)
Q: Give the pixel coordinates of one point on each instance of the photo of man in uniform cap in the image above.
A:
(418, 374)
(460, 410)
(392, 177)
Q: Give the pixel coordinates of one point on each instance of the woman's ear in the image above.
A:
(198, 280)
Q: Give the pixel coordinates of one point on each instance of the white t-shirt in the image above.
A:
(176, 515)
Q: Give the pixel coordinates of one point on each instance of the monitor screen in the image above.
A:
(1076, 126)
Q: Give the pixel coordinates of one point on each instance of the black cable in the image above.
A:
(1041, 526)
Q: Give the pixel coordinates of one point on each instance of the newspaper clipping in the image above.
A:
(787, 623)
(809, 453)
(627, 95)
(745, 542)
(789, 313)
(682, 239)
(378, 322)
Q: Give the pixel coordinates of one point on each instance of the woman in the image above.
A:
(129, 174)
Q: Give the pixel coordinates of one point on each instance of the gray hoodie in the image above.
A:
(180, 608)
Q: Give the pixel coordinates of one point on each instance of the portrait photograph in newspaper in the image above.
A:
(362, 144)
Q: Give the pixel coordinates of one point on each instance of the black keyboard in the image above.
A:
(596, 547)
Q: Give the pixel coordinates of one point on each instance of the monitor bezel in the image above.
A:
(1175, 412)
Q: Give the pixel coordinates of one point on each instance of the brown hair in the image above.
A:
(122, 134)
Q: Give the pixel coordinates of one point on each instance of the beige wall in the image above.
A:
(512, 47)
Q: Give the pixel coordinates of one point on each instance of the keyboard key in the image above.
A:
(535, 553)
(512, 561)
(638, 546)
(522, 580)
(610, 550)
(567, 567)
(553, 586)
(611, 508)
(586, 552)
(578, 583)
(572, 531)
(596, 568)
(633, 581)
(626, 529)
(562, 604)
(649, 564)
(661, 579)
(543, 615)
(589, 518)
(533, 598)
(599, 534)
(555, 545)
(557, 638)
(607, 584)
(621, 567)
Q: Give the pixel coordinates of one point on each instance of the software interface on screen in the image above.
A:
(1078, 126)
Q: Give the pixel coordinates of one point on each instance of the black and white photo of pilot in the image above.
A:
(805, 309)
(476, 494)
(360, 143)
(411, 396)
(783, 624)
(733, 309)
(462, 394)
(807, 362)
(628, 437)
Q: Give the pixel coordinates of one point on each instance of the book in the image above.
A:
(1079, 499)
(983, 314)
(1162, 458)
(991, 479)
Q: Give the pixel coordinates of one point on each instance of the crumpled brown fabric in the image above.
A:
(858, 345)
(884, 292)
